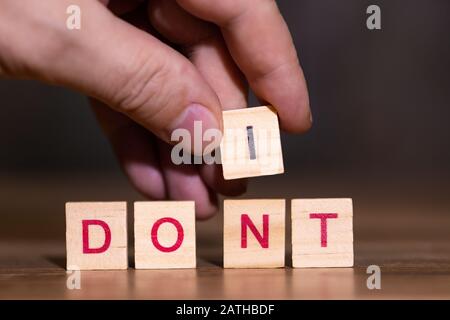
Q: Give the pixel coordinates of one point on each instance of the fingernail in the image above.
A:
(196, 119)
(310, 117)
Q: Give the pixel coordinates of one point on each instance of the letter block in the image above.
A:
(251, 144)
(254, 233)
(96, 235)
(164, 234)
(322, 233)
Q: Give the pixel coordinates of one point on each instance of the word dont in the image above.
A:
(253, 235)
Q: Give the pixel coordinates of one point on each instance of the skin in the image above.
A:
(153, 66)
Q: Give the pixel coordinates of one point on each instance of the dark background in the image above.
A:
(380, 100)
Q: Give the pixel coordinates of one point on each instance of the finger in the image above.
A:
(207, 51)
(215, 64)
(135, 150)
(260, 43)
(177, 25)
(120, 65)
(203, 44)
(184, 183)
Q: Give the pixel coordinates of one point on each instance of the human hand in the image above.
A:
(143, 88)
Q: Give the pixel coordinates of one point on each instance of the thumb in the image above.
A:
(131, 71)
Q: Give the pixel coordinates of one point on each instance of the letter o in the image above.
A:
(180, 234)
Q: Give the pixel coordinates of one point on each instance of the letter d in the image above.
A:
(86, 248)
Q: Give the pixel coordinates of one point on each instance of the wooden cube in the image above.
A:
(96, 235)
(322, 233)
(254, 233)
(164, 234)
(251, 144)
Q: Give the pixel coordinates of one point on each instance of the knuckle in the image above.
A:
(151, 89)
(141, 83)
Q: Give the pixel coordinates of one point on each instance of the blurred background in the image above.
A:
(381, 106)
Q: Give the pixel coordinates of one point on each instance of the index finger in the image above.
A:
(261, 45)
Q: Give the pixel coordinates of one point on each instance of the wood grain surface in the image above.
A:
(406, 233)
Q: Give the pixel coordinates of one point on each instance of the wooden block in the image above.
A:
(322, 233)
(96, 235)
(164, 234)
(254, 233)
(251, 144)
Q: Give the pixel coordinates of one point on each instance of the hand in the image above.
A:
(143, 89)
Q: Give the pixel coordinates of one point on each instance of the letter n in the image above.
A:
(247, 223)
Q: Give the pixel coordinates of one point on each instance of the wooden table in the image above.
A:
(407, 235)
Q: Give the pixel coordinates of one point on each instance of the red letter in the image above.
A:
(180, 235)
(106, 244)
(323, 225)
(246, 222)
